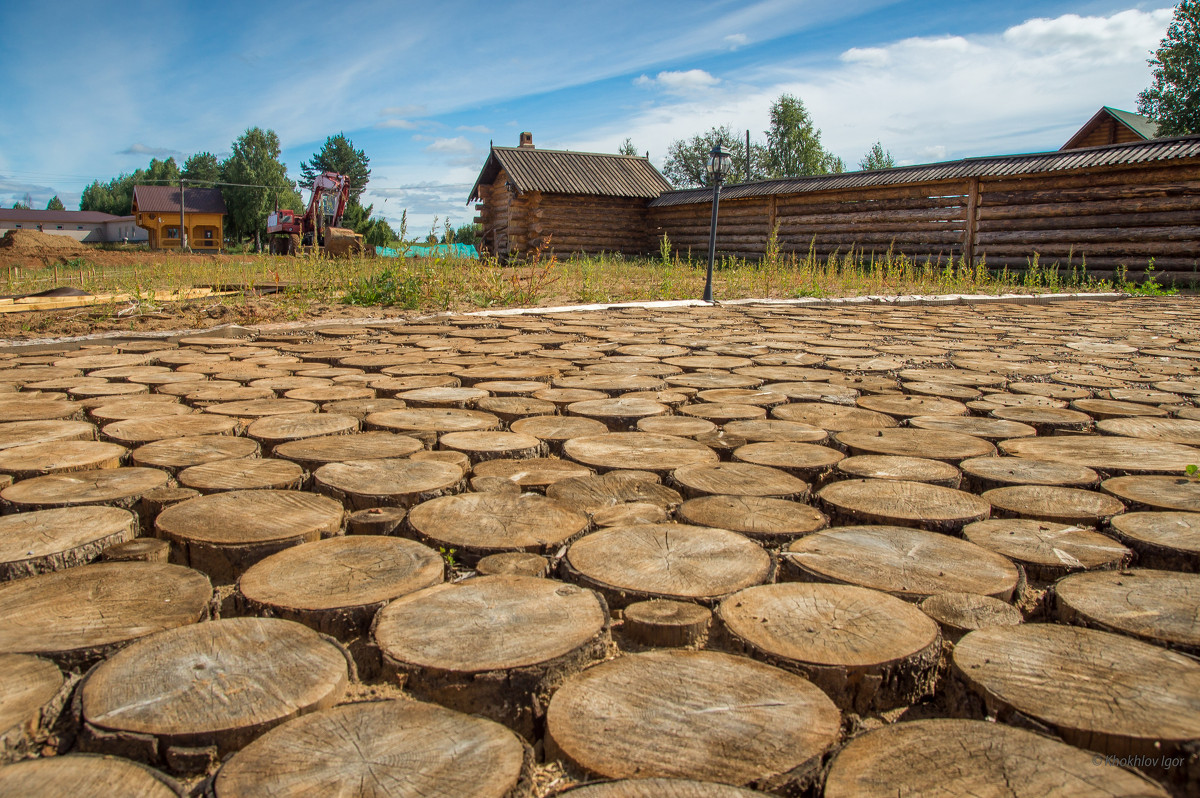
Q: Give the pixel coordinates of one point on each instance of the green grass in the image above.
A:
(434, 284)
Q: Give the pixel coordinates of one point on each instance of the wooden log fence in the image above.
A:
(1106, 219)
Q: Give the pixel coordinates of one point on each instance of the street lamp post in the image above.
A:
(719, 164)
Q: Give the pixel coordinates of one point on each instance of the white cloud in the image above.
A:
(926, 98)
(682, 82)
(452, 146)
(474, 129)
(396, 124)
(154, 152)
(736, 40)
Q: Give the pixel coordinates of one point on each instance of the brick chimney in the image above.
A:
(527, 140)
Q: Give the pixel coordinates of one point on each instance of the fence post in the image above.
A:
(972, 212)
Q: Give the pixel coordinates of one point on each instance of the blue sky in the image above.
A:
(97, 89)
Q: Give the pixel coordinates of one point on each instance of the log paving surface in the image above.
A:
(713, 531)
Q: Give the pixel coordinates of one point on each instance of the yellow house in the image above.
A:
(156, 209)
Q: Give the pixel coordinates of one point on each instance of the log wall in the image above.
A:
(1108, 217)
(521, 223)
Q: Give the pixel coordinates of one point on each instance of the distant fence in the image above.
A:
(1106, 207)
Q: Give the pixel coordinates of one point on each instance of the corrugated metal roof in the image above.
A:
(562, 172)
(989, 166)
(165, 199)
(58, 217)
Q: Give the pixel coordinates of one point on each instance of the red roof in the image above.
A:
(165, 199)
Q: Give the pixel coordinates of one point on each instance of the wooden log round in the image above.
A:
(378, 748)
(447, 456)
(275, 430)
(1110, 693)
(671, 561)
(684, 714)
(1170, 541)
(909, 469)
(251, 409)
(39, 409)
(621, 414)
(1155, 606)
(478, 524)
(223, 534)
(35, 693)
(638, 450)
(426, 424)
(208, 686)
(247, 473)
(738, 479)
(502, 664)
(481, 445)
(682, 426)
(1048, 550)
(595, 493)
(86, 776)
(1101, 409)
(138, 550)
(462, 398)
(907, 405)
(662, 623)
(375, 521)
(1156, 493)
(943, 757)
(155, 501)
(360, 484)
(990, 429)
(337, 585)
(743, 396)
(119, 487)
(22, 433)
(78, 616)
(513, 563)
(805, 461)
(1106, 454)
(361, 408)
(984, 473)
(532, 473)
(511, 408)
(901, 503)
(774, 430)
(833, 418)
(139, 431)
(723, 412)
(867, 650)
(137, 408)
(953, 447)
(910, 563)
(50, 540)
(556, 430)
(1172, 430)
(1047, 420)
(312, 453)
(959, 613)
(770, 521)
(175, 454)
(1049, 503)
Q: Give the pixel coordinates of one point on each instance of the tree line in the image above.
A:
(792, 149)
(253, 182)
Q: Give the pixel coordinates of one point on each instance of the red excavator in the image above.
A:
(319, 228)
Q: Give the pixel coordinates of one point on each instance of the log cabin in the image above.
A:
(532, 200)
(1113, 126)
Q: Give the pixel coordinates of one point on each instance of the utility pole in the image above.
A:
(747, 156)
(183, 244)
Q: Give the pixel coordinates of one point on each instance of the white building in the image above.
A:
(91, 227)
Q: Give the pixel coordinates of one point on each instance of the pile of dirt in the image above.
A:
(31, 242)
